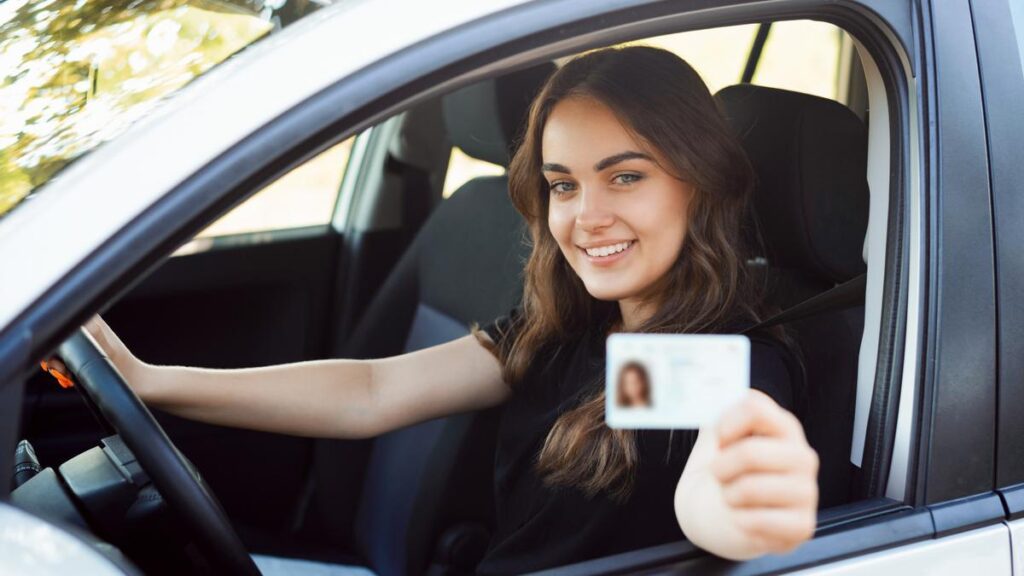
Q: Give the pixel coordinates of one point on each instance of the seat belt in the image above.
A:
(845, 295)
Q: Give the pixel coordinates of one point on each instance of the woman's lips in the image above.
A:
(609, 259)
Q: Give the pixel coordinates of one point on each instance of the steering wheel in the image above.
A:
(182, 488)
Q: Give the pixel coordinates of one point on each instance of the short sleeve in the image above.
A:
(772, 372)
(502, 330)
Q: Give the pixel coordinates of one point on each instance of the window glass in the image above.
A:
(799, 55)
(303, 197)
(803, 56)
(462, 168)
(718, 54)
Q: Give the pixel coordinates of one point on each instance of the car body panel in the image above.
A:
(1017, 543)
(982, 551)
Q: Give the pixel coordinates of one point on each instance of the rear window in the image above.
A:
(79, 72)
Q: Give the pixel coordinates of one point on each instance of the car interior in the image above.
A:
(412, 268)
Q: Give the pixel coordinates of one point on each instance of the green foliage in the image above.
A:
(78, 72)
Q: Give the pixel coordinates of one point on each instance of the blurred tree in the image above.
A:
(78, 72)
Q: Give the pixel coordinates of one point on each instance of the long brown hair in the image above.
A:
(665, 105)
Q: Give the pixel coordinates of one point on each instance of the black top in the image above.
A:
(541, 527)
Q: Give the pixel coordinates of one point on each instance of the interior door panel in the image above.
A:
(237, 306)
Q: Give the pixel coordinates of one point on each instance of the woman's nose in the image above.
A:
(593, 213)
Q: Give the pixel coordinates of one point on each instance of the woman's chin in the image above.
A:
(608, 293)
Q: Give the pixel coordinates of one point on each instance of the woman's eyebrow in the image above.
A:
(621, 157)
(552, 167)
(601, 165)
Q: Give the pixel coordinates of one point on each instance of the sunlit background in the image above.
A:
(77, 73)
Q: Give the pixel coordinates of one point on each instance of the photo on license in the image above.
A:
(668, 381)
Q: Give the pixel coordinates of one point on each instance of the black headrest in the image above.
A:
(483, 118)
(811, 198)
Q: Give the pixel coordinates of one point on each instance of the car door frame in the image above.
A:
(1001, 61)
(519, 36)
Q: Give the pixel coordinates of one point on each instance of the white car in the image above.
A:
(890, 199)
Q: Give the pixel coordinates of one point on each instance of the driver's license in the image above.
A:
(669, 381)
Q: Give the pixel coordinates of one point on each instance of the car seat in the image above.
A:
(427, 496)
(811, 205)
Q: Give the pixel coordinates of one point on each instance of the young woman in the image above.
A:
(635, 190)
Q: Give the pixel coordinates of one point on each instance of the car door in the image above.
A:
(930, 447)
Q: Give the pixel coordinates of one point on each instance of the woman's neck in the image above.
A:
(634, 313)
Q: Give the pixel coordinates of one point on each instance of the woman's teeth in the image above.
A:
(609, 250)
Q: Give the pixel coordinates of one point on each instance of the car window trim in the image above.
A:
(353, 179)
(897, 527)
(254, 238)
(885, 525)
(999, 61)
(860, 528)
(14, 352)
(959, 401)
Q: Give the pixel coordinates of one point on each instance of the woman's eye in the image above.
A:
(560, 187)
(627, 178)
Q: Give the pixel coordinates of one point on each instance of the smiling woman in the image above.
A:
(635, 192)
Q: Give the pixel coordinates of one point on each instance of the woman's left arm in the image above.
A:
(750, 485)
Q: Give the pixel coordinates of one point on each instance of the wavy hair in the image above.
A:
(665, 105)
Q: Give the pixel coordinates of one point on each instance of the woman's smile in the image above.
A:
(607, 253)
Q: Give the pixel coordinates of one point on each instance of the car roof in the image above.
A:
(71, 216)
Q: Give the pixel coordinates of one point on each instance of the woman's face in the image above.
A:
(618, 217)
(635, 390)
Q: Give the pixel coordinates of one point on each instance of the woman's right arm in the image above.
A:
(320, 398)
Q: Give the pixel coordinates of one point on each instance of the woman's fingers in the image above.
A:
(771, 491)
(104, 337)
(766, 474)
(94, 326)
(757, 414)
(57, 364)
(102, 334)
(764, 454)
(108, 341)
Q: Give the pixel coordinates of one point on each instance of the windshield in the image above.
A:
(79, 72)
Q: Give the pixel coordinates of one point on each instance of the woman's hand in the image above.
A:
(126, 363)
(750, 485)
